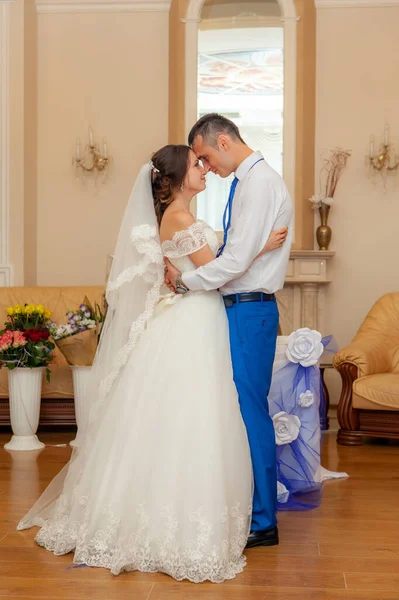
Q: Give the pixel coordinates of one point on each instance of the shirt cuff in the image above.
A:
(192, 280)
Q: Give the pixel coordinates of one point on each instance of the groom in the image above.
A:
(258, 203)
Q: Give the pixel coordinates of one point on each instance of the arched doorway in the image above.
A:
(298, 21)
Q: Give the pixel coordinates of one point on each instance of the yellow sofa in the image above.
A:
(369, 368)
(57, 396)
(57, 407)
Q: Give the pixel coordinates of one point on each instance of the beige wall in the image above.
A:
(30, 143)
(16, 140)
(176, 70)
(357, 92)
(109, 71)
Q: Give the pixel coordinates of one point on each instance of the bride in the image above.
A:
(161, 479)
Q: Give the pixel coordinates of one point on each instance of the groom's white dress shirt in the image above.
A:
(261, 204)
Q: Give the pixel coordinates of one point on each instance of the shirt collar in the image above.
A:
(247, 164)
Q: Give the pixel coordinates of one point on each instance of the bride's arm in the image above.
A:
(276, 240)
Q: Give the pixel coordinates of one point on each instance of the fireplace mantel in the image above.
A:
(302, 301)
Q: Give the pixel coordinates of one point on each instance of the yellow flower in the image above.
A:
(40, 309)
(47, 314)
(10, 311)
(17, 309)
(29, 309)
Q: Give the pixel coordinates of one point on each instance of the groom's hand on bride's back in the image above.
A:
(167, 277)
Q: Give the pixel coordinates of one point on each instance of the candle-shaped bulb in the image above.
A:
(372, 146)
(386, 135)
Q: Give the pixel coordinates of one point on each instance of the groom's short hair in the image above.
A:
(210, 126)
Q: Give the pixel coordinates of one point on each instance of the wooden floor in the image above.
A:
(346, 549)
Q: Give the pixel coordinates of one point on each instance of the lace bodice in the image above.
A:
(188, 241)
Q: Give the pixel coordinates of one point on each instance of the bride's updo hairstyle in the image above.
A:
(169, 168)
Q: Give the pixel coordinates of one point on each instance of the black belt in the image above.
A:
(231, 299)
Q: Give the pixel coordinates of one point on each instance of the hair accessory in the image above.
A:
(154, 168)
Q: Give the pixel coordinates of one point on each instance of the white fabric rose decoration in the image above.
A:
(304, 347)
(167, 300)
(282, 493)
(286, 428)
(306, 399)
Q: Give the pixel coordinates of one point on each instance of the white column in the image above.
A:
(290, 102)
(309, 305)
(6, 271)
(191, 75)
(191, 79)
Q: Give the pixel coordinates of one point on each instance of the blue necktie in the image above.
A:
(227, 214)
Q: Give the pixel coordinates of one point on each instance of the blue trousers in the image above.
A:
(253, 333)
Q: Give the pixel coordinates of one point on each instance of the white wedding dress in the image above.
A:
(166, 484)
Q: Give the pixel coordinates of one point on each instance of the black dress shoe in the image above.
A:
(267, 537)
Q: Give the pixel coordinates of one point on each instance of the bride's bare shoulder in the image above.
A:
(173, 221)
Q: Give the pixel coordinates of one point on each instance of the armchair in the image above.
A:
(369, 368)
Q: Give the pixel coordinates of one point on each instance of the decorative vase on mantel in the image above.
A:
(323, 232)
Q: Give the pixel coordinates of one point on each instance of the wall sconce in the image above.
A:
(92, 163)
(385, 161)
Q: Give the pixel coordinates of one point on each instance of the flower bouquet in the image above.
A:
(78, 338)
(24, 341)
(330, 174)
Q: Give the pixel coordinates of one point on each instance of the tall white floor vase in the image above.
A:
(80, 377)
(25, 388)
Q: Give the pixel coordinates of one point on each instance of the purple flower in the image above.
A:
(74, 326)
(82, 307)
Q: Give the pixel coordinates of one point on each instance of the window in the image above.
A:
(240, 75)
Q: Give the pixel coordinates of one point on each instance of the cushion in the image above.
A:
(377, 392)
